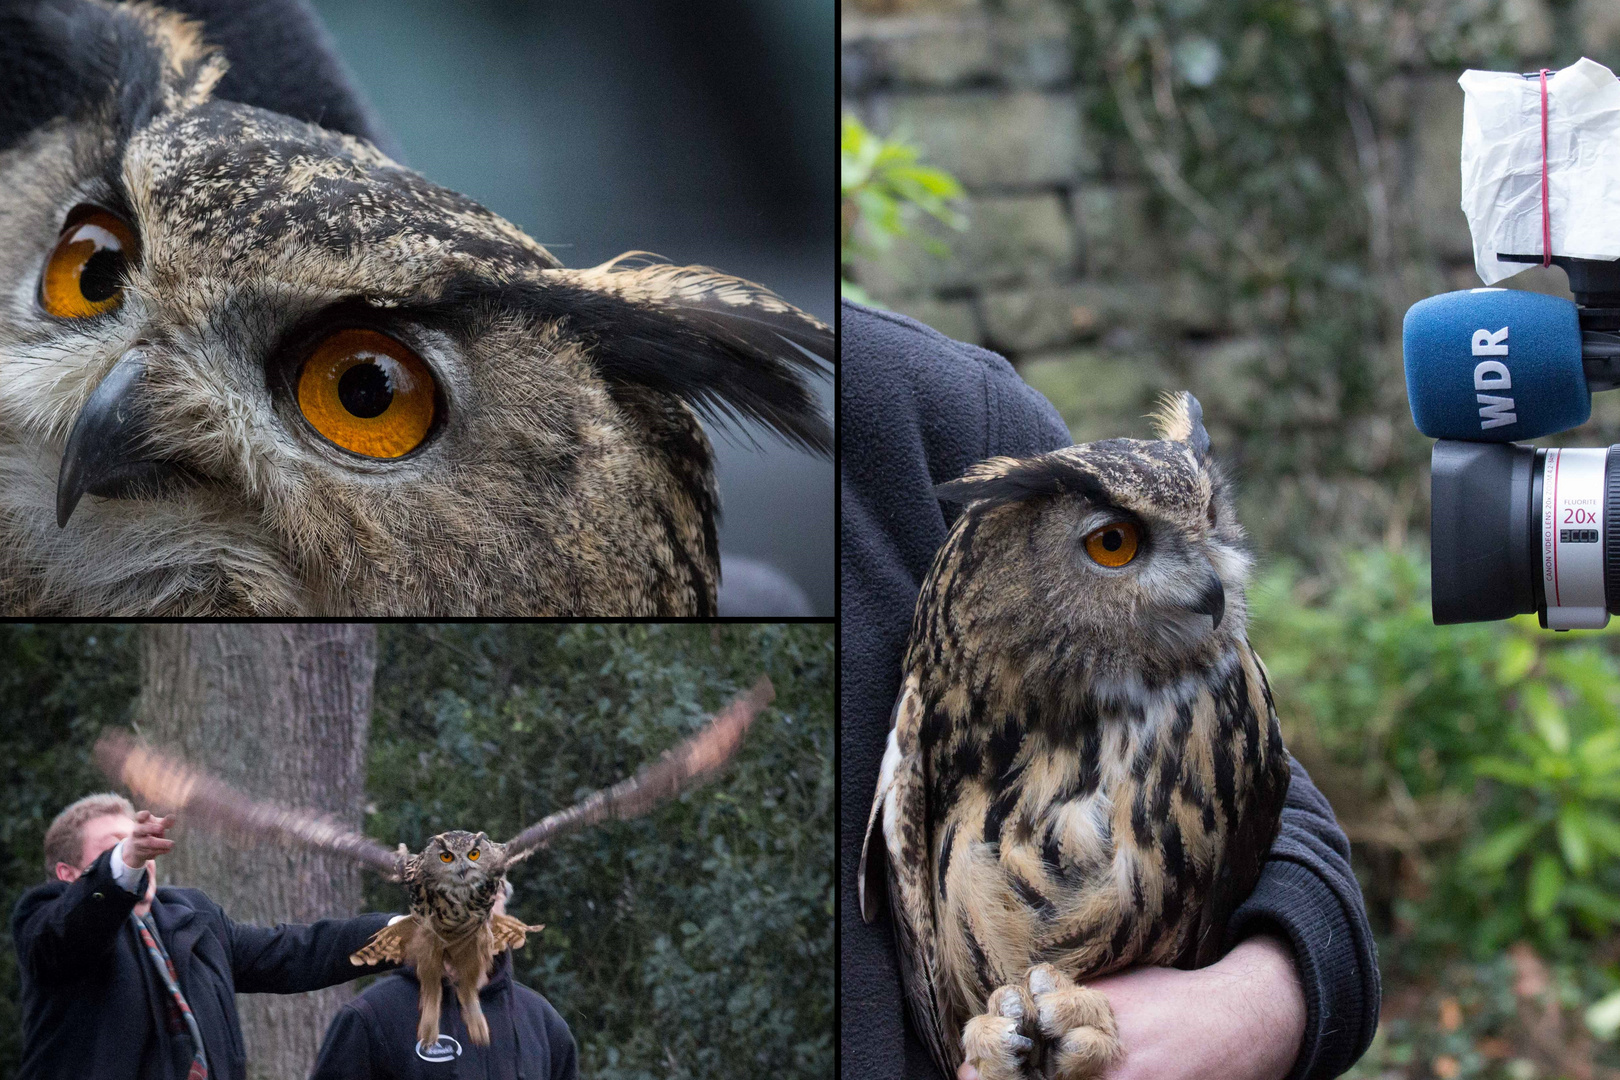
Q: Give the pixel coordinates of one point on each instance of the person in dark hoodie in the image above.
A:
(373, 1037)
(1297, 996)
(122, 980)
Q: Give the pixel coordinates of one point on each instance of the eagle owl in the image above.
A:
(252, 366)
(454, 881)
(1085, 770)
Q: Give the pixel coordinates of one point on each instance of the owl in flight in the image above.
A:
(1085, 771)
(455, 879)
(251, 366)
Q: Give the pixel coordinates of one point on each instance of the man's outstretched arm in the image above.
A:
(291, 959)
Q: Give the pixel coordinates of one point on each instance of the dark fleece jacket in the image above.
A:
(916, 410)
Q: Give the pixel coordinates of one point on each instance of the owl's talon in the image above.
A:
(995, 1043)
(1077, 1021)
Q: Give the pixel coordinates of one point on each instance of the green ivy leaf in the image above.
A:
(1493, 854)
(1514, 659)
(1546, 882)
(1573, 839)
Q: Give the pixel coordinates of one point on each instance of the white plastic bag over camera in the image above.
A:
(1501, 165)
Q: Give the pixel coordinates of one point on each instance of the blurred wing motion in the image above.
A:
(686, 766)
(168, 783)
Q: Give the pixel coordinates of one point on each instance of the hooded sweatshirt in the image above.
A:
(373, 1037)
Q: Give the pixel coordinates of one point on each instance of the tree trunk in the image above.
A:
(280, 711)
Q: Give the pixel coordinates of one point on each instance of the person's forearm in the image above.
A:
(1242, 1018)
(293, 959)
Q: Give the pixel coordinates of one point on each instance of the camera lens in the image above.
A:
(1515, 529)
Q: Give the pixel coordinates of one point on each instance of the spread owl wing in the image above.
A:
(511, 933)
(899, 839)
(726, 346)
(688, 765)
(163, 781)
(386, 945)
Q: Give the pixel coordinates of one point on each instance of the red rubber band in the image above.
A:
(1546, 207)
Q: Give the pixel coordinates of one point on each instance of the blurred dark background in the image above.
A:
(702, 133)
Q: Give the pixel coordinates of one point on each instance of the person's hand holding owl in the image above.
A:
(1240, 1019)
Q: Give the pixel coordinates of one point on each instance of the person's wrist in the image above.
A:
(124, 853)
(1272, 999)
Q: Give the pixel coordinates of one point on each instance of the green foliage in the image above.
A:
(1503, 729)
(884, 187)
(695, 941)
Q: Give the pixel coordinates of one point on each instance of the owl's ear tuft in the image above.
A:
(1002, 480)
(728, 347)
(1180, 418)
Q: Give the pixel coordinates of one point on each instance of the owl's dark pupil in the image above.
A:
(365, 391)
(1113, 540)
(102, 274)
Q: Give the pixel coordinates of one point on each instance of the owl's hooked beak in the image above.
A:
(107, 452)
(1211, 599)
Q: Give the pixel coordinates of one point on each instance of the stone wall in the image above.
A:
(1067, 268)
(1061, 250)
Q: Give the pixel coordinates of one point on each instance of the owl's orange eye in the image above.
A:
(447, 857)
(367, 393)
(1113, 545)
(473, 854)
(85, 274)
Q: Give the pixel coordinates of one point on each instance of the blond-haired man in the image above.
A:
(122, 980)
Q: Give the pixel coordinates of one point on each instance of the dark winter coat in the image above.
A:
(916, 410)
(373, 1037)
(92, 1002)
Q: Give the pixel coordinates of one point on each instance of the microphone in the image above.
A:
(1503, 365)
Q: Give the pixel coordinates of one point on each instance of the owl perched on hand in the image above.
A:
(251, 366)
(455, 880)
(1085, 771)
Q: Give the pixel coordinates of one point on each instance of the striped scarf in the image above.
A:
(165, 969)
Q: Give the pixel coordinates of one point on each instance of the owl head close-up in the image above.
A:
(1127, 551)
(462, 855)
(250, 365)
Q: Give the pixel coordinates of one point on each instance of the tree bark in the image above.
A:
(280, 711)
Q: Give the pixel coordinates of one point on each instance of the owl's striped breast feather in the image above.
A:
(1096, 838)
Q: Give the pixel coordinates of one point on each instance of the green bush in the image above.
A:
(1504, 730)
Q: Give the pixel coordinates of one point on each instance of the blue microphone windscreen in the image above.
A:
(1494, 365)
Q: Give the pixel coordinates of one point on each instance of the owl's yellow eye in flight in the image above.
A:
(447, 857)
(367, 393)
(1113, 545)
(473, 854)
(85, 274)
